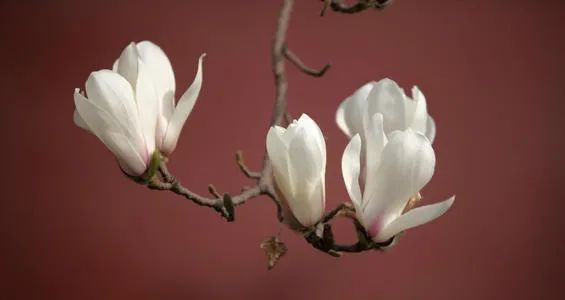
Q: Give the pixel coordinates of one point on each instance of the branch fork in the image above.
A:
(320, 236)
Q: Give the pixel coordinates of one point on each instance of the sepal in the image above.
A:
(151, 170)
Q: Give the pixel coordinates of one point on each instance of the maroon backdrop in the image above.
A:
(73, 227)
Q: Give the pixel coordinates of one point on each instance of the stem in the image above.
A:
(265, 185)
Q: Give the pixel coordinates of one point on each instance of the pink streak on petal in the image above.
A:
(375, 227)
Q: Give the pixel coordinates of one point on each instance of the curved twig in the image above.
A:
(302, 67)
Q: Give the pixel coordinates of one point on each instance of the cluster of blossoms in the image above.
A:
(388, 160)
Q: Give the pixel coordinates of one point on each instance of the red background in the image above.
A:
(73, 227)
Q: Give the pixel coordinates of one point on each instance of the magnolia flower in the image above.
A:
(298, 155)
(396, 168)
(399, 111)
(131, 108)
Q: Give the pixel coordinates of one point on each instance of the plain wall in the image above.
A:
(73, 227)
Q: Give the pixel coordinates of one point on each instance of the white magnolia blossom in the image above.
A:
(298, 155)
(399, 111)
(395, 169)
(131, 108)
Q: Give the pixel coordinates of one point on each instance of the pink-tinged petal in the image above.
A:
(415, 217)
(407, 164)
(110, 132)
(182, 110)
(114, 95)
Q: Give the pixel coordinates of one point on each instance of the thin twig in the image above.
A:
(243, 167)
(361, 5)
(302, 67)
(265, 185)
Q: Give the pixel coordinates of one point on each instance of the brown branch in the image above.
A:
(326, 242)
(278, 62)
(225, 203)
(265, 185)
(243, 167)
(361, 5)
(302, 67)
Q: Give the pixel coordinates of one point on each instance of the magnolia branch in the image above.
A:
(302, 67)
(320, 236)
(224, 204)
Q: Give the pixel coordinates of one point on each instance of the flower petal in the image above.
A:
(181, 112)
(314, 131)
(114, 95)
(277, 151)
(162, 75)
(350, 170)
(79, 121)
(127, 64)
(387, 98)
(307, 169)
(375, 141)
(110, 132)
(340, 118)
(419, 115)
(354, 110)
(147, 105)
(407, 165)
(431, 129)
(413, 218)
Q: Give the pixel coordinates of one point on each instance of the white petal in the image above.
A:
(407, 165)
(387, 98)
(314, 132)
(113, 94)
(413, 218)
(375, 141)
(431, 129)
(340, 118)
(307, 168)
(277, 151)
(162, 74)
(290, 132)
(110, 132)
(147, 105)
(355, 110)
(183, 109)
(79, 121)
(350, 169)
(419, 118)
(127, 64)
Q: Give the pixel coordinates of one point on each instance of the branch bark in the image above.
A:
(264, 185)
(302, 67)
(361, 5)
